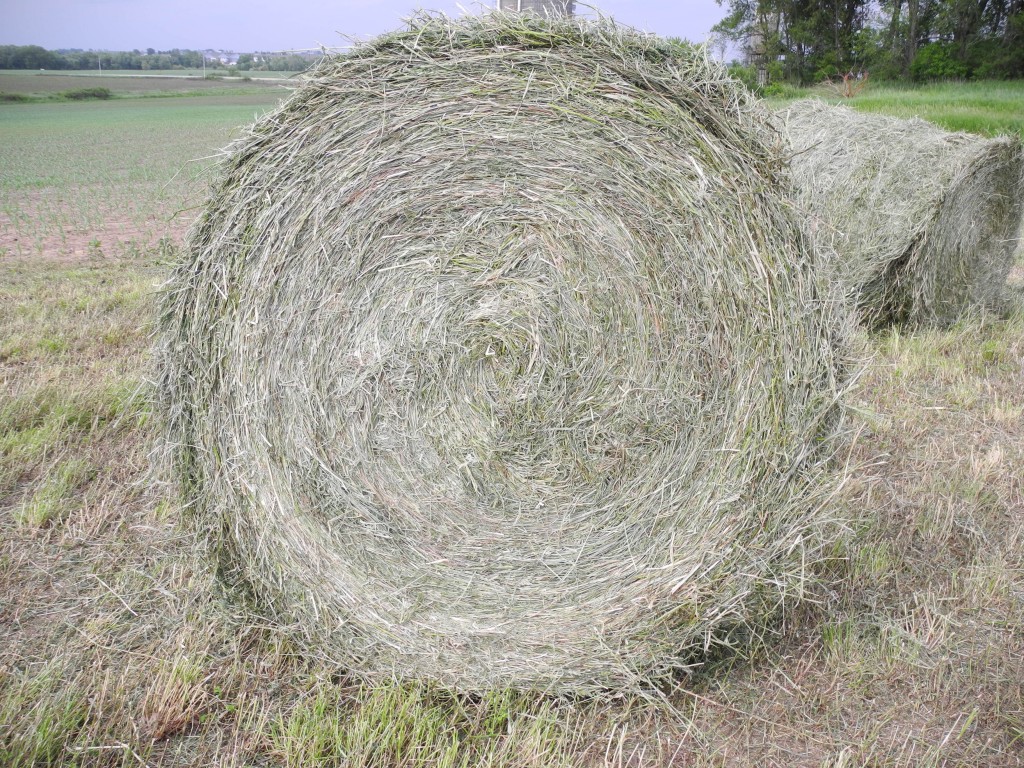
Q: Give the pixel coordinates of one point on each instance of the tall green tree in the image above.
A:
(806, 40)
(814, 38)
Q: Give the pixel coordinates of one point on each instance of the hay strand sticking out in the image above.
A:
(922, 220)
(497, 359)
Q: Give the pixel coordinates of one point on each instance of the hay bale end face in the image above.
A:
(496, 359)
(922, 220)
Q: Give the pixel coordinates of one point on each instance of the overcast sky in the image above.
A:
(251, 25)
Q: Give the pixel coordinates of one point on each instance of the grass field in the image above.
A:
(119, 648)
(987, 108)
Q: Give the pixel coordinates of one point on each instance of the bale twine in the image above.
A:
(496, 358)
(922, 220)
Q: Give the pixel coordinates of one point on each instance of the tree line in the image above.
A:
(808, 41)
(37, 57)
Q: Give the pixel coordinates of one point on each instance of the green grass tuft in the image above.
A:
(53, 498)
(420, 725)
(40, 716)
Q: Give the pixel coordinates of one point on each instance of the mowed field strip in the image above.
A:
(147, 84)
(119, 646)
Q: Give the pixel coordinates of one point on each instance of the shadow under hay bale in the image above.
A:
(922, 221)
(496, 358)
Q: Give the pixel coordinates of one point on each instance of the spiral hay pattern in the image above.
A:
(497, 359)
(923, 221)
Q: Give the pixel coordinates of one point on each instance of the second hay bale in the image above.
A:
(922, 221)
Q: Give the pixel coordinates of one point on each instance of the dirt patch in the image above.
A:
(112, 239)
(47, 226)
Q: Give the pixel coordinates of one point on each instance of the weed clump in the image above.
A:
(497, 358)
(85, 94)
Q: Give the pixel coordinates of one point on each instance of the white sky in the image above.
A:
(250, 25)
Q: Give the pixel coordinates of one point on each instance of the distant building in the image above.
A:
(224, 57)
(540, 7)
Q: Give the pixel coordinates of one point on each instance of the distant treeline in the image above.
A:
(806, 41)
(36, 57)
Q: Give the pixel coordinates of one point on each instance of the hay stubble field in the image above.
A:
(119, 647)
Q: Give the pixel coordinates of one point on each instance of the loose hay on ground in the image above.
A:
(923, 221)
(497, 358)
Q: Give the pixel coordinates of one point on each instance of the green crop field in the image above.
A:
(99, 173)
(120, 647)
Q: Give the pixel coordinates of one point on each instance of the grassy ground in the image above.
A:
(118, 648)
(988, 108)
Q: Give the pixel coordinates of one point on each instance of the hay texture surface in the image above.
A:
(497, 359)
(923, 221)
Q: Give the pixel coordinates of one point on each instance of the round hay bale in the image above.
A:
(497, 358)
(922, 220)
